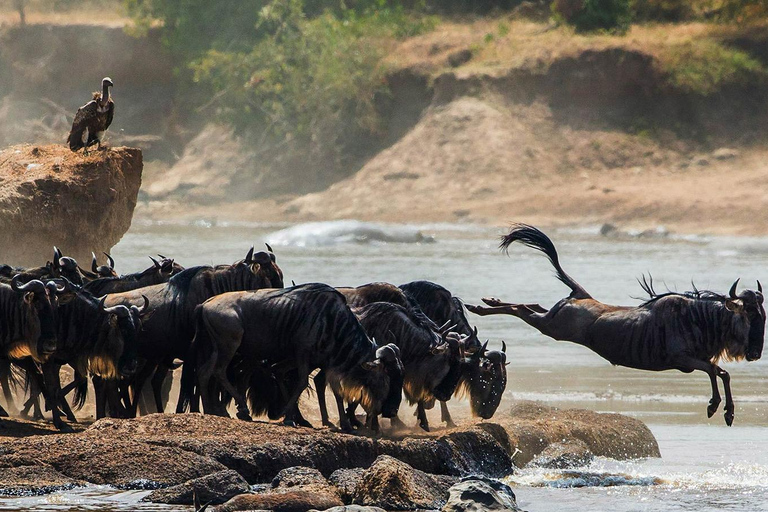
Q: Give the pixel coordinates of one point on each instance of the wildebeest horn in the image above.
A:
(293, 283)
(162, 257)
(118, 310)
(143, 309)
(732, 291)
(249, 256)
(503, 346)
(111, 261)
(157, 263)
(474, 330)
(268, 247)
(483, 348)
(759, 286)
(56, 256)
(94, 266)
(35, 285)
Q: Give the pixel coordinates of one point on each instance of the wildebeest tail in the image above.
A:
(201, 341)
(81, 394)
(535, 239)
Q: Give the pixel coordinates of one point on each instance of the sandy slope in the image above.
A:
(484, 161)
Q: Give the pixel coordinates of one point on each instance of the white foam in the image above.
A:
(317, 234)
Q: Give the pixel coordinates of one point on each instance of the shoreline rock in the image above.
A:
(52, 196)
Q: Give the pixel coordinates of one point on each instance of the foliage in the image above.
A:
(704, 67)
(307, 79)
(663, 10)
(743, 10)
(595, 15)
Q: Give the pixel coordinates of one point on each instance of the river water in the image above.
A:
(705, 466)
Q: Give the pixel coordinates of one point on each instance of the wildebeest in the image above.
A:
(28, 319)
(299, 329)
(166, 336)
(158, 273)
(93, 339)
(483, 373)
(61, 266)
(670, 331)
(430, 360)
(98, 271)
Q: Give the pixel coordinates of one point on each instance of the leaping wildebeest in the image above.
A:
(670, 331)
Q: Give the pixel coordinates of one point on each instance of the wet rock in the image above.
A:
(475, 494)
(352, 508)
(394, 485)
(33, 480)
(214, 488)
(565, 455)
(52, 196)
(346, 481)
(290, 501)
(533, 426)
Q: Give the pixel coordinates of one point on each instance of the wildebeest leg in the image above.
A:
(100, 392)
(494, 302)
(421, 414)
(344, 422)
(320, 385)
(136, 385)
(5, 381)
(243, 412)
(729, 407)
(351, 416)
(158, 379)
(53, 385)
(445, 415)
(302, 380)
(690, 364)
(372, 422)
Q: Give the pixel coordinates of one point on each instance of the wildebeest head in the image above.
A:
(264, 266)
(41, 303)
(107, 270)
(748, 310)
(385, 382)
(452, 347)
(121, 341)
(485, 379)
(64, 266)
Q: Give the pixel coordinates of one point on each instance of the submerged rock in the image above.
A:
(33, 480)
(52, 196)
(214, 488)
(476, 494)
(394, 485)
(289, 501)
(568, 454)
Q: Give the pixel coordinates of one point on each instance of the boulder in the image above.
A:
(352, 508)
(566, 455)
(299, 477)
(346, 481)
(477, 494)
(289, 501)
(52, 196)
(214, 488)
(394, 485)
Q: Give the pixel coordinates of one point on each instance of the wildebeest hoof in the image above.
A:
(424, 427)
(289, 423)
(729, 418)
(329, 424)
(712, 409)
(244, 416)
(356, 423)
(304, 423)
(347, 428)
(65, 428)
(3, 413)
(450, 424)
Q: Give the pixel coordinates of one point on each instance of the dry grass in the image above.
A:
(112, 16)
(692, 54)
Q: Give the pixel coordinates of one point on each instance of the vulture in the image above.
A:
(92, 119)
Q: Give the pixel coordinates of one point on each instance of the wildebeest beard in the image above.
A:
(28, 319)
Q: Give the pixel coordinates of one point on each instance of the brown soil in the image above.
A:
(52, 196)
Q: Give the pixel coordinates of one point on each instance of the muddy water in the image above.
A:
(705, 465)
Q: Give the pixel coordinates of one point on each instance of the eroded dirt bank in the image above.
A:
(164, 450)
(52, 196)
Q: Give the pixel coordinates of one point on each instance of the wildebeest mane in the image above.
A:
(647, 285)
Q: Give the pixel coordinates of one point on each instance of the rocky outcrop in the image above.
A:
(33, 480)
(568, 454)
(165, 450)
(52, 196)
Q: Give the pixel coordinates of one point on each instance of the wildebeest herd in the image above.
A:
(241, 336)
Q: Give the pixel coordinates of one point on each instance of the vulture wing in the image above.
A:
(80, 126)
(110, 113)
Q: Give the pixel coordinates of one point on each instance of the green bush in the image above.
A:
(662, 10)
(594, 15)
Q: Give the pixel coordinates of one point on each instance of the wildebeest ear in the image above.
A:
(734, 305)
(29, 297)
(370, 365)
